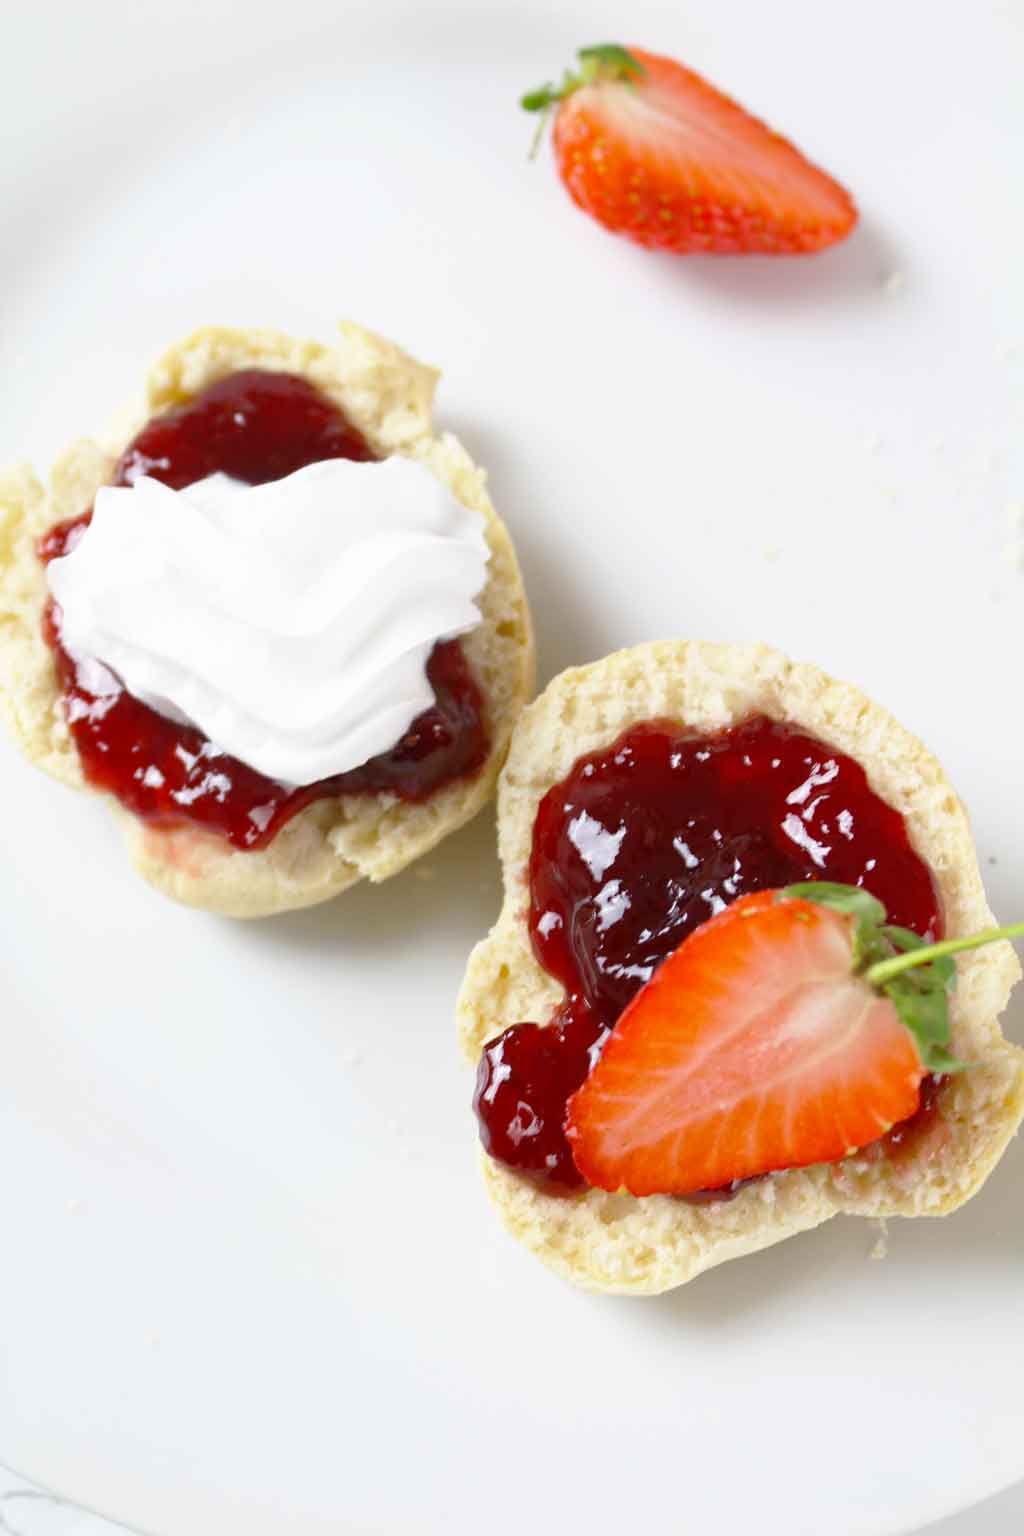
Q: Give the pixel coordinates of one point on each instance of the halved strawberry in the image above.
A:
(653, 152)
(765, 1042)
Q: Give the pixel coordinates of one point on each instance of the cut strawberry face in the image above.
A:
(653, 152)
(793, 1028)
(755, 1047)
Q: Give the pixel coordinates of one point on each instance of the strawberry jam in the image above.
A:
(255, 426)
(640, 844)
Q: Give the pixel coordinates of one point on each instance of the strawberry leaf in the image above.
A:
(612, 61)
(602, 61)
(917, 977)
(842, 898)
(919, 988)
(866, 910)
(540, 99)
(905, 940)
(924, 1009)
(941, 1063)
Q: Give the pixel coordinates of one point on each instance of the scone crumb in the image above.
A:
(880, 1249)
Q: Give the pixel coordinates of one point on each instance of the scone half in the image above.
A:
(333, 843)
(616, 1242)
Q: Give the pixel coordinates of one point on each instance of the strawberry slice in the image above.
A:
(655, 153)
(763, 1043)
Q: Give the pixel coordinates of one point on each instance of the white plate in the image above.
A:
(249, 1277)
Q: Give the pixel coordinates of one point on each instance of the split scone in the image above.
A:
(645, 799)
(272, 616)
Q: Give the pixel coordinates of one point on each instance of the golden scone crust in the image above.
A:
(620, 1243)
(332, 843)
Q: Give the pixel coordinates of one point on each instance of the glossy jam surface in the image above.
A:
(639, 845)
(256, 426)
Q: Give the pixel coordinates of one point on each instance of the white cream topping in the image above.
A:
(291, 622)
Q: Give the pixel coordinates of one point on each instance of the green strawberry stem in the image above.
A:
(884, 970)
(916, 977)
(602, 61)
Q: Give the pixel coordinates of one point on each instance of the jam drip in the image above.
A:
(640, 844)
(256, 426)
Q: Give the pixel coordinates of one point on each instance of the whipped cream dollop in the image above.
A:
(291, 622)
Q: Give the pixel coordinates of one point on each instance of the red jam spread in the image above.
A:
(255, 426)
(640, 844)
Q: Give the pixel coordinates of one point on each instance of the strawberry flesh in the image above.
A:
(754, 1048)
(675, 165)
